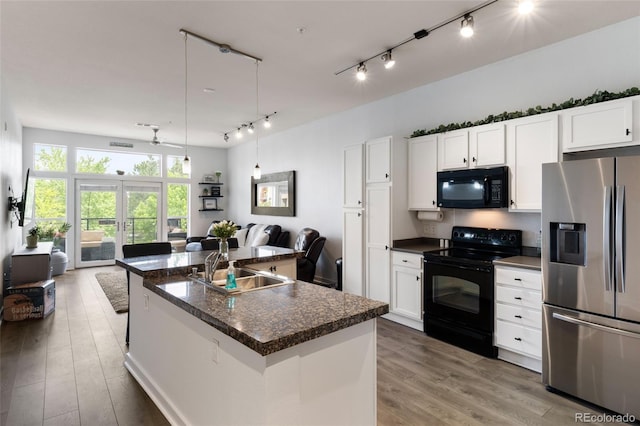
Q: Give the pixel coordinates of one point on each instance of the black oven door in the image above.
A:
(459, 294)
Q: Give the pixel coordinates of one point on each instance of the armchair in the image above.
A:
(309, 241)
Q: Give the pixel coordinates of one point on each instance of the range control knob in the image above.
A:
(512, 237)
(455, 234)
(503, 237)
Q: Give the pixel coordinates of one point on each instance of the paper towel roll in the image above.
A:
(433, 216)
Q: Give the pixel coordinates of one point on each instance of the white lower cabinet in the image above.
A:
(406, 289)
(518, 332)
(286, 268)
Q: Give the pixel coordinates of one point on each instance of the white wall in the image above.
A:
(10, 177)
(606, 59)
(204, 161)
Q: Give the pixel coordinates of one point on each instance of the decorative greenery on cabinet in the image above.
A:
(598, 96)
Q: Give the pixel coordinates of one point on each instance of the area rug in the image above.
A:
(114, 285)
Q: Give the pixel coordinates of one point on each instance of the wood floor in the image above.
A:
(67, 370)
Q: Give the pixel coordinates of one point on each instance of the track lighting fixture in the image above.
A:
(239, 133)
(361, 72)
(466, 30)
(388, 60)
(525, 7)
(466, 26)
(226, 137)
(250, 128)
(267, 123)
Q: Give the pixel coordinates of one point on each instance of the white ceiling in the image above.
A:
(98, 67)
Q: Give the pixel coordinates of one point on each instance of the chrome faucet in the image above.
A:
(210, 265)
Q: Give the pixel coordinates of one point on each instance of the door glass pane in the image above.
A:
(142, 214)
(463, 190)
(456, 293)
(177, 211)
(98, 222)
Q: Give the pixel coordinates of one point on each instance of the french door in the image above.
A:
(110, 213)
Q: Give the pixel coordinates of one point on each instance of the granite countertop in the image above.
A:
(527, 262)
(416, 245)
(270, 319)
(181, 263)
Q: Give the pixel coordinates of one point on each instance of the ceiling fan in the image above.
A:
(157, 142)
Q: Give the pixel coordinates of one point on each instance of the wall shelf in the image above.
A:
(210, 196)
(211, 183)
(211, 210)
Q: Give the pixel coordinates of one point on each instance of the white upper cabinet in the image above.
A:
(453, 150)
(480, 146)
(423, 169)
(531, 141)
(487, 145)
(352, 170)
(378, 160)
(603, 125)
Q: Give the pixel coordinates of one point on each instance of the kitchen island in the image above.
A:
(292, 354)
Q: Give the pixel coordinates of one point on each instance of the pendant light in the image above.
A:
(257, 173)
(186, 162)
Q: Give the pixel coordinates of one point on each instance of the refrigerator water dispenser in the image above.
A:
(567, 243)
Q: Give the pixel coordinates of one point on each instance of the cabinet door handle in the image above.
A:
(518, 339)
(405, 260)
(512, 202)
(518, 316)
(474, 159)
(433, 202)
(518, 279)
(417, 277)
(359, 202)
(628, 132)
(518, 298)
(386, 175)
(464, 160)
(386, 247)
(359, 214)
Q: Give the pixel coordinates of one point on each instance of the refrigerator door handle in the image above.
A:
(619, 256)
(593, 325)
(606, 239)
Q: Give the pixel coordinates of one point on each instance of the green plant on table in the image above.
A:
(35, 231)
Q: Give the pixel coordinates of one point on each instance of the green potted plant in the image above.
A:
(32, 237)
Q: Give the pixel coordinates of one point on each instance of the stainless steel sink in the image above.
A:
(246, 280)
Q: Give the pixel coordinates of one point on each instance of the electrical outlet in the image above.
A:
(146, 302)
(429, 229)
(214, 350)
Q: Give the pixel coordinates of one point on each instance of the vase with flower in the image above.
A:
(224, 230)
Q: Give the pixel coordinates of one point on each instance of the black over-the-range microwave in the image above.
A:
(474, 188)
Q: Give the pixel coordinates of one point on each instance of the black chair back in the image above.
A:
(305, 237)
(146, 249)
(316, 248)
(214, 243)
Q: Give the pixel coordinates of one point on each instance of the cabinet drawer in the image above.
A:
(519, 315)
(519, 297)
(518, 338)
(406, 259)
(519, 277)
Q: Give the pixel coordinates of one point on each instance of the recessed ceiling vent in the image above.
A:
(121, 144)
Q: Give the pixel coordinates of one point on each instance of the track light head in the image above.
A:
(267, 123)
(226, 137)
(250, 128)
(239, 133)
(361, 72)
(466, 26)
(525, 7)
(388, 60)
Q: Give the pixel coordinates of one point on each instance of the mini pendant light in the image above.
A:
(186, 162)
(257, 173)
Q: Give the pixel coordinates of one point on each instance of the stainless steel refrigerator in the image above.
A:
(591, 280)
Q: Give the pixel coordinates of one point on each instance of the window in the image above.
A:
(113, 162)
(177, 210)
(174, 167)
(49, 158)
(50, 209)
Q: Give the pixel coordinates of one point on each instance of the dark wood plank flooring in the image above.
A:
(67, 370)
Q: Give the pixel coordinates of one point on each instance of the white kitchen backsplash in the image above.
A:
(528, 223)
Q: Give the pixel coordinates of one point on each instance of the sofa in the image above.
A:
(95, 246)
(252, 235)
